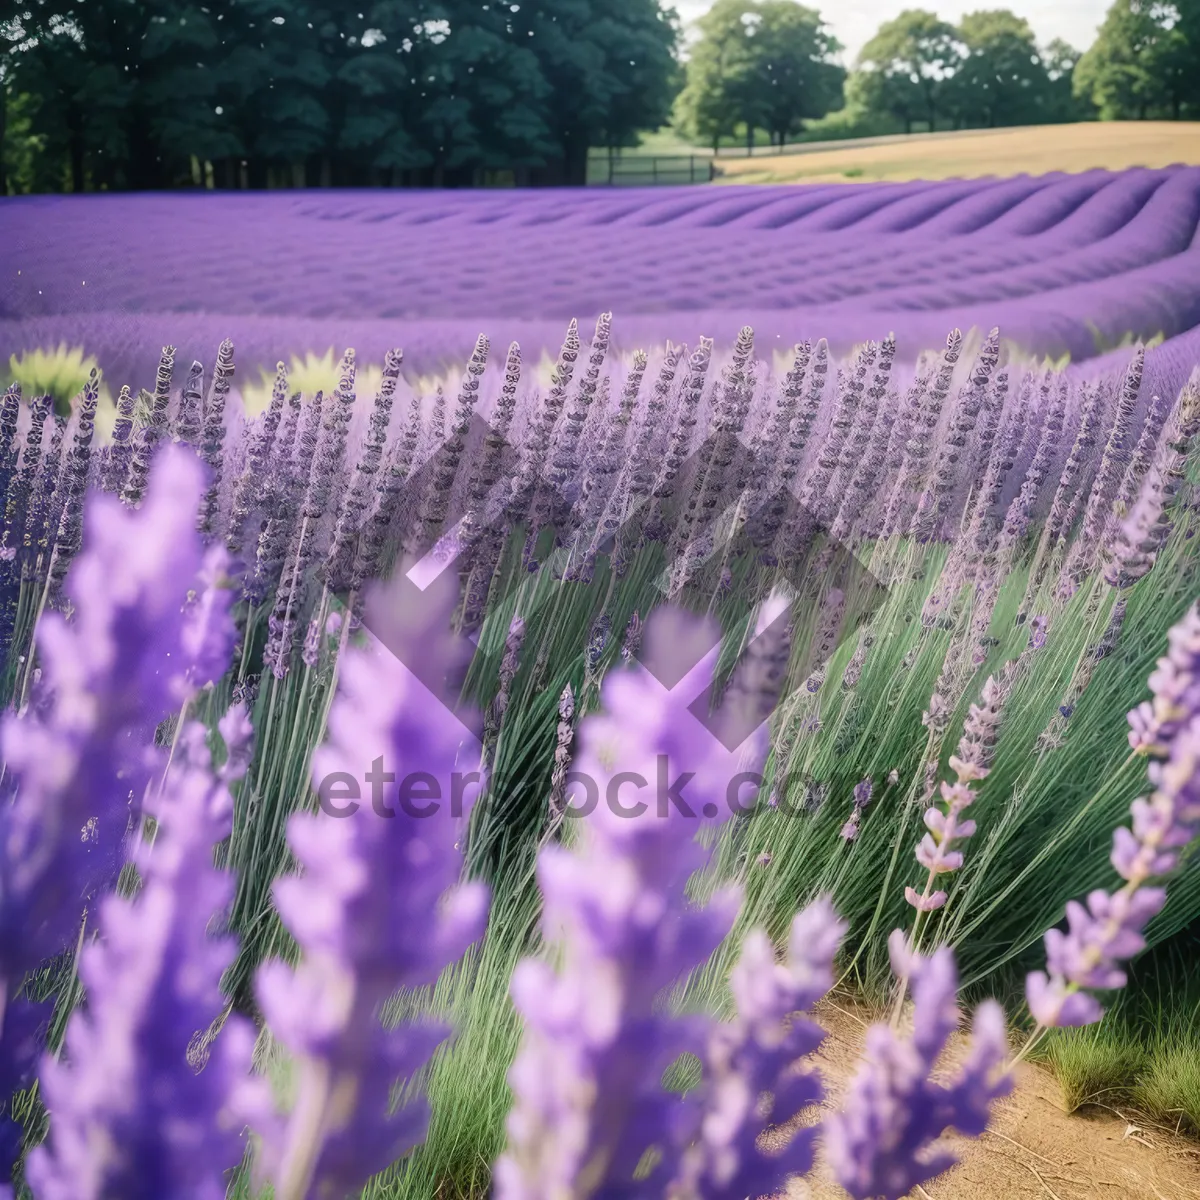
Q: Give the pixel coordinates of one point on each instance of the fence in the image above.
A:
(641, 170)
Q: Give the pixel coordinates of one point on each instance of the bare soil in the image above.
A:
(1034, 1148)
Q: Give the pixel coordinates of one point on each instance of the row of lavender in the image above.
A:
(1058, 261)
(706, 476)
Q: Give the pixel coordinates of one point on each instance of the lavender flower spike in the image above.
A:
(883, 1143)
(375, 909)
(208, 629)
(85, 761)
(939, 850)
(1176, 687)
(862, 797)
(129, 1114)
(753, 1055)
(589, 1100)
(1108, 929)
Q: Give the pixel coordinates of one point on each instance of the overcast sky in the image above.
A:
(854, 22)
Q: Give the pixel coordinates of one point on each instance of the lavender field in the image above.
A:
(1064, 264)
(325, 867)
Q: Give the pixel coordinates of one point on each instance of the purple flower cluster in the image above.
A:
(589, 1102)
(1175, 688)
(82, 757)
(883, 1143)
(363, 913)
(751, 1059)
(940, 849)
(137, 1112)
(862, 797)
(1108, 928)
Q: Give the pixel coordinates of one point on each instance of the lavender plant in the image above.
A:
(364, 968)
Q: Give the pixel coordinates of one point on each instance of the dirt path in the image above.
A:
(1034, 1148)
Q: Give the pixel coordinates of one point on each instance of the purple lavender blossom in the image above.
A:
(862, 797)
(752, 1056)
(130, 1115)
(375, 909)
(1155, 723)
(85, 761)
(1134, 544)
(208, 630)
(939, 850)
(587, 1079)
(1109, 928)
(884, 1141)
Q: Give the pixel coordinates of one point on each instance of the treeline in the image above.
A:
(143, 94)
(770, 65)
(255, 93)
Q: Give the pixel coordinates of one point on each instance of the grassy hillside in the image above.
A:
(1031, 150)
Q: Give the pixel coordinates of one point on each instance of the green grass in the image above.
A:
(1145, 1053)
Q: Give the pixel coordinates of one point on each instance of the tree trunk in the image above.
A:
(257, 174)
(141, 158)
(575, 160)
(908, 124)
(749, 138)
(75, 148)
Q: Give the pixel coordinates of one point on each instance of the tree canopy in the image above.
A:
(1001, 79)
(124, 93)
(989, 70)
(765, 64)
(908, 68)
(1142, 62)
(256, 93)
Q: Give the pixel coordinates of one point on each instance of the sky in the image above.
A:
(854, 22)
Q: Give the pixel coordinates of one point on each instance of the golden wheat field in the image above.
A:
(1031, 150)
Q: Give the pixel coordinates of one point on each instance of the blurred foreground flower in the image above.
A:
(375, 909)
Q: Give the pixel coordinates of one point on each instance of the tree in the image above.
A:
(609, 69)
(126, 93)
(1002, 79)
(908, 67)
(73, 59)
(1140, 63)
(1060, 59)
(793, 52)
(763, 63)
(191, 102)
(713, 97)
